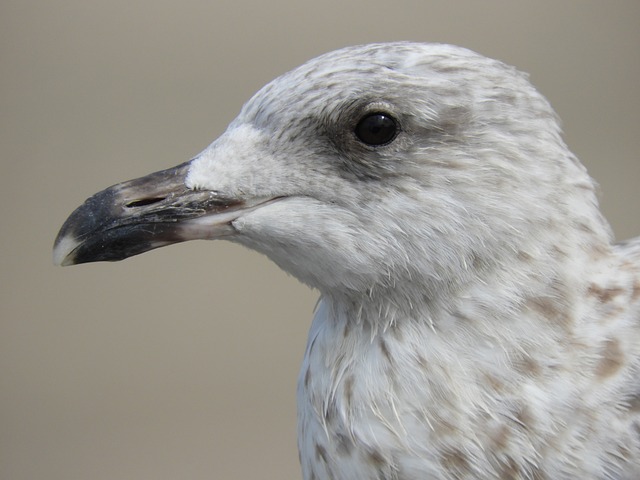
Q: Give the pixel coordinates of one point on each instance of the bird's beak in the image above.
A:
(142, 214)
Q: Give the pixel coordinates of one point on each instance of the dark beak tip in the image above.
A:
(136, 216)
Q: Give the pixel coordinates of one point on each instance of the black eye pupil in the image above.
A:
(376, 129)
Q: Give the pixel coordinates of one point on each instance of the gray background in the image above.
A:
(182, 363)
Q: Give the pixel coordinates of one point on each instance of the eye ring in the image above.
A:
(376, 129)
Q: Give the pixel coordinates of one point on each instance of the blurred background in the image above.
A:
(182, 363)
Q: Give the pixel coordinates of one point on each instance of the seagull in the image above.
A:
(476, 319)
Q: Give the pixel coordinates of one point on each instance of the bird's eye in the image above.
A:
(376, 129)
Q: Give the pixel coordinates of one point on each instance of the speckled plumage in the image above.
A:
(476, 320)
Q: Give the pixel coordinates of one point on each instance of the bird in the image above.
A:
(477, 318)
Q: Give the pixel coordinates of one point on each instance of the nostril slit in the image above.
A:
(144, 202)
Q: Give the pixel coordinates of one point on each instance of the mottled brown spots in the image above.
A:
(635, 292)
(348, 390)
(585, 227)
(446, 67)
(559, 289)
(524, 256)
(376, 458)
(558, 252)
(628, 266)
(455, 460)
(385, 350)
(589, 413)
(524, 416)
(344, 444)
(543, 305)
(551, 309)
(598, 251)
(321, 453)
(529, 367)
(604, 295)
(537, 474)
(477, 262)
(422, 362)
(612, 358)
(494, 382)
(442, 427)
(461, 316)
(634, 403)
(508, 97)
(451, 164)
(622, 452)
(509, 470)
(500, 438)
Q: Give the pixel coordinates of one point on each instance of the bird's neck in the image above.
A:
(547, 271)
(380, 378)
(363, 388)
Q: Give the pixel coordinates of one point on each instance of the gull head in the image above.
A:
(372, 168)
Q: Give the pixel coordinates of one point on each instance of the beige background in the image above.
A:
(181, 363)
